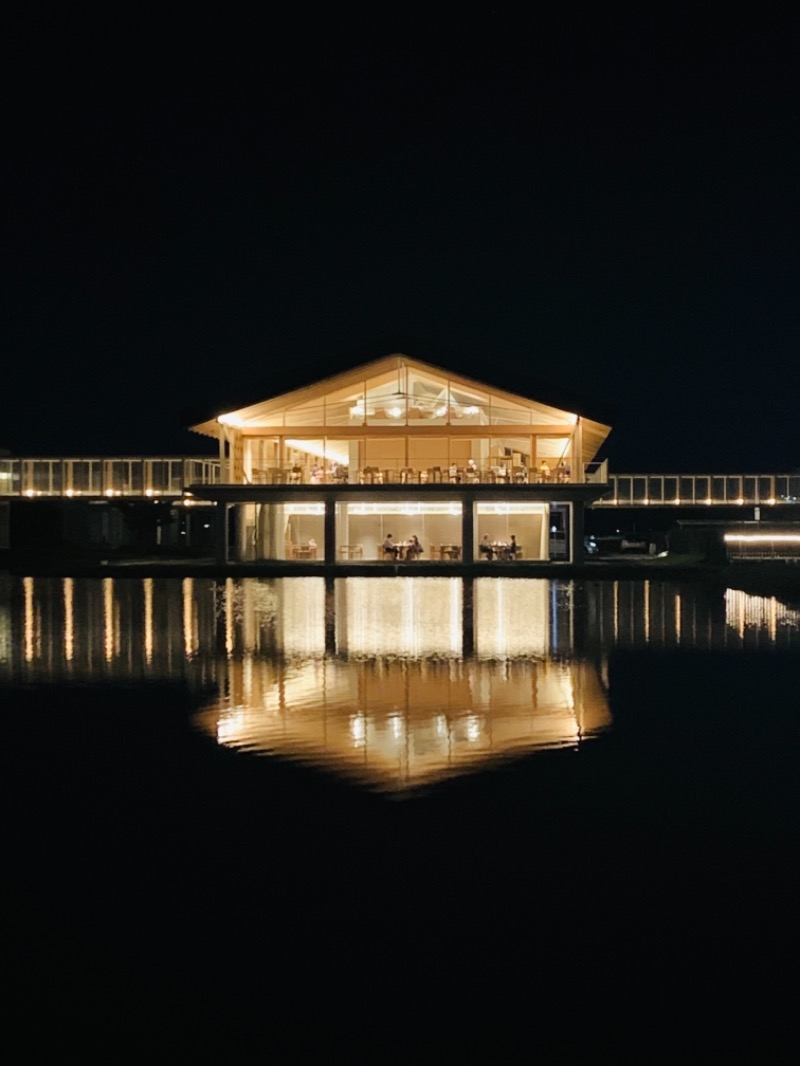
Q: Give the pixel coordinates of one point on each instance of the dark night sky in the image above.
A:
(603, 198)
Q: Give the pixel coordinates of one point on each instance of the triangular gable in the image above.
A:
(386, 370)
(415, 383)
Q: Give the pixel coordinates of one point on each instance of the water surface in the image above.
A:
(392, 682)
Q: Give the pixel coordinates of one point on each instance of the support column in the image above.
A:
(468, 618)
(221, 533)
(330, 616)
(576, 531)
(330, 532)
(468, 529)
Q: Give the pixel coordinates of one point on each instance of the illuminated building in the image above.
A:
(397, 446)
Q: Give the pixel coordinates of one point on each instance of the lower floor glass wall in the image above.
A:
(506, 530)
(395, 530)
(292, 531)
(399, 530)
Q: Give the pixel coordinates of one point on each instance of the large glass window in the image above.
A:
(294, 531)
(496, 523)
(362, 528)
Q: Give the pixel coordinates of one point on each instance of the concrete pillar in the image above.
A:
(330, 532)
(221, 533)
(468, 618)
(468, 529)
(576, 531)
(330, 616)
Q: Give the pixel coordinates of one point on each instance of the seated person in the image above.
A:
(485, 547)
(413, 548)
(472, 471)
(544, 470)
(390, 548)
(453, 473)
(512, 548)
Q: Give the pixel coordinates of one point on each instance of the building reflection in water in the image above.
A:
(398, 682)
(397, 704)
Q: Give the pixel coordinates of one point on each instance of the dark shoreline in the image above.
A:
(763, 577)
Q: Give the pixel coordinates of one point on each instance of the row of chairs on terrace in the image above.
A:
(374, 475)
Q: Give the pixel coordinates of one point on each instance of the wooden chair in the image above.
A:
(371, 475)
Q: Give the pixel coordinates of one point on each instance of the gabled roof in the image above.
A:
(388, 368)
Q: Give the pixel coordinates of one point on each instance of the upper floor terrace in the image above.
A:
(155, 477)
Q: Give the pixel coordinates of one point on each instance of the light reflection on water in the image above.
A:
(393, 681)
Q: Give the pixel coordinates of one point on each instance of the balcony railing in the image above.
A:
(105, 476)
(675, 490)
(170, 476)
(110, 476)
(397, 474)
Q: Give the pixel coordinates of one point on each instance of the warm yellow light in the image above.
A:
(761, 538)
(395, 412)
(230, 420)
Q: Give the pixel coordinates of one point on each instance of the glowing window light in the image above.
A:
(709, 501)
(762, 538)
(319, 449)
(530, 507)
(304, 508)
(440, 412)
(397, 508)
(471, 410)
(395, 412)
